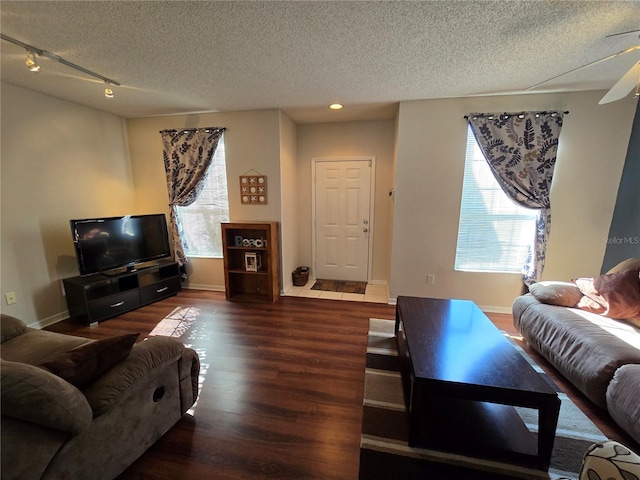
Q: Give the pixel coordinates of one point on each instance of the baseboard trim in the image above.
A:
(199, 286)
(45, 322)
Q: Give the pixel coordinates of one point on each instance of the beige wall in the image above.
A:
(63, 161)
(252, 142)
(289, 244)
(349, 139)
(429, 171)
(59, 161)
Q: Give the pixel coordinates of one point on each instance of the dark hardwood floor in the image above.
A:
(281, 387)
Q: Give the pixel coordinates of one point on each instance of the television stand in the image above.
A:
(118, 272)
(129, 269)
(94, 298)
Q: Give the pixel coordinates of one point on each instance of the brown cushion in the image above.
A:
(556, 293)
(635, 321)
(85, 363)
(31, 394)
(618, 293)
(11, 327)
(632, 263)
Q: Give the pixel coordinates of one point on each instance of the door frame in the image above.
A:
(372, 191)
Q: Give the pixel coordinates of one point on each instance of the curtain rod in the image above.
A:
(173, 130)
(544, 112)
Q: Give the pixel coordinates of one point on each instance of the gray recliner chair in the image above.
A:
(52, 429)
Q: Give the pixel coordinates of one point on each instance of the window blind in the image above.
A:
(201, 220)
(494, 233)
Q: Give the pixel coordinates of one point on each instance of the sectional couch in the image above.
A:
(570, 324)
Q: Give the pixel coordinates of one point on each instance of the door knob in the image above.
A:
(366, 222)
(365, 230)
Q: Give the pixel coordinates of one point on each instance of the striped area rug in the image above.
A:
(385, 454)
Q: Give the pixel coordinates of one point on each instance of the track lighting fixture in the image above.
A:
(32, 62)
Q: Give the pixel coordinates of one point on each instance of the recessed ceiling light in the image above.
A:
(335, 106)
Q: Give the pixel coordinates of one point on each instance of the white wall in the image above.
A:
(349, 139)
(429, 172)
(59, 161)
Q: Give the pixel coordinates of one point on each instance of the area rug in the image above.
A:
(340, 286)
(385, 454)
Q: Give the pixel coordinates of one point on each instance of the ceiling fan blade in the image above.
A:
(621, 33)
(623, 52)
(627, 83)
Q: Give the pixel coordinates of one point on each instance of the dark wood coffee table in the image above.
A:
(461, 380)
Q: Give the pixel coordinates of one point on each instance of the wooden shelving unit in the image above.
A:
(260, 239)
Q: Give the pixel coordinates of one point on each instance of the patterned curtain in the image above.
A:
(521, 151)
(187, 156)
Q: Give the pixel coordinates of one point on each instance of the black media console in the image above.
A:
(94, 298)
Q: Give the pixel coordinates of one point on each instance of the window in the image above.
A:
(494, 233)
(201, 220)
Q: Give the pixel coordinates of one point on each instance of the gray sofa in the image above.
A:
(52, 429)
(599, 355)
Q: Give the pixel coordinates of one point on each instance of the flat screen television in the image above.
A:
(103, 244)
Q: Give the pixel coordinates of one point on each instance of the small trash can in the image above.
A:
(300, 276)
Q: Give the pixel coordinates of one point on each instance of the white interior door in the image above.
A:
(342, 219)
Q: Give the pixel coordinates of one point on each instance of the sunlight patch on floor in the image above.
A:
(176, 323)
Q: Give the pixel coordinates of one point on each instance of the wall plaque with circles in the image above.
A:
(253, 189)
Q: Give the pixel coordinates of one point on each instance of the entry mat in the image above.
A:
(340, 286)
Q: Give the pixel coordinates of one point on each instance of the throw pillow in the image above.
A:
(610, 460)
(589, 305)
(618, 293)
(11, 327)
(556, 293)
(632, 263)
(635, 321)
(83, 364)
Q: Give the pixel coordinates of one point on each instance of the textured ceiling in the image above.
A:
(185, 56)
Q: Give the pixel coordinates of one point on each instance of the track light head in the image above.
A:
(32, 62)
(108, 93)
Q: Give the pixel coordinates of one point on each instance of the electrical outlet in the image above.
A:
(10, 297)
(431, 279)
